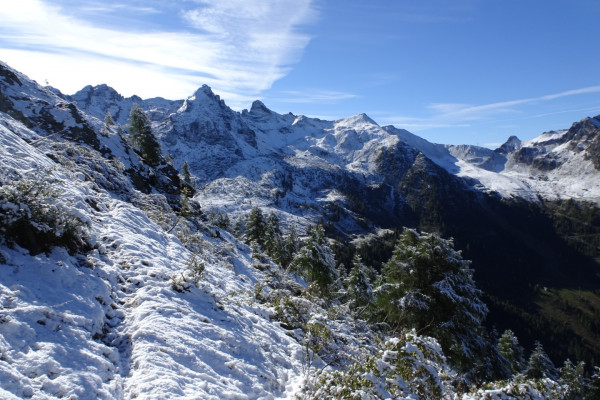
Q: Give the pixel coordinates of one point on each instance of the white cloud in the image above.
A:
(313, 96)
(446, 115)
(238, 47)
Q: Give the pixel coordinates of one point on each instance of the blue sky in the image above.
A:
(465, 71)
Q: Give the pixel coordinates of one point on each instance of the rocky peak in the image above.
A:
(258, 107)
(512, 144)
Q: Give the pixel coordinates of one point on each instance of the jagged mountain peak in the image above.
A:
(258, 107)
(206, 91)
(513, 143)
(90, 93)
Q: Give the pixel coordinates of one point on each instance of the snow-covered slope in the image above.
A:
(111, 324)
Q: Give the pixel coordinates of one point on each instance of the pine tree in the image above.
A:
(108, 120)
(593, 388)
(360, 297)
(255, 228)
(428, 286)
(316, 263)
(291, 246)
(186, 177)
(539, 365)
(273, 238)
(108, 123)
(512, 351)
(141, 133)
(571, 376)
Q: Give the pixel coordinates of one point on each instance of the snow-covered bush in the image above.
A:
(405, 367)
(519, 388)
(34, 217)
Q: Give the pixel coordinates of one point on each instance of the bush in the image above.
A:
(34, 218)
(408, 366)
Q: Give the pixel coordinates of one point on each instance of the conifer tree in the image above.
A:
(539, 365)
(255, 228)
(108, 120)
(273, 238)
(428, 286)
(291, 246)
(141, 133)
(571, 376)
(593, 387)
(108, 123)
(316, 262)
(186, 177)
(359, 291)
(512, 351)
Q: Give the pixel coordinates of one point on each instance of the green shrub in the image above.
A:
(34, 218)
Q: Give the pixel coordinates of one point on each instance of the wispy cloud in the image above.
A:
(313, 96)
(463, 115)
(238, 47)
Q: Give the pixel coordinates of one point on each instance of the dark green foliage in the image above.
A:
(571, 376)
(255, 228)
(578, 223)
(141, 134)
(187, 181)
(273, 242)
(291, 246)
(33, 217)
(359, 292)
(220, 219)
(315, 262)
(428, 286)
(512, 351)
(593, 388)
(539, 365)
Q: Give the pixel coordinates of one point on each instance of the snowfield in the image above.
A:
(110, 325)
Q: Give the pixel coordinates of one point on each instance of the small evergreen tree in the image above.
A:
(593, 388)
(108, 120)
(316, 262)
(539, 365)
(512, 351)
(360, 297)
(290, 247)
(571, 376)
(428, 286)
(255, 228)
(108, 123)
(186, 177)
(141, 133)
(273, 238)
(238, 228)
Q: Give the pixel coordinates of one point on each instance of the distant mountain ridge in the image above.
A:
(556, 165)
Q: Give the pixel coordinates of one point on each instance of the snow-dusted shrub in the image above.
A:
(405, 367)
(34, 217)
(192, 274)
(520, 388)
(318, 340)
(293, 312)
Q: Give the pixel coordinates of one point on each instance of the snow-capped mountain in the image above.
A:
(556, 165)
(126, 299)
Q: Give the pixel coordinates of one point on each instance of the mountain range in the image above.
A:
(526, 214)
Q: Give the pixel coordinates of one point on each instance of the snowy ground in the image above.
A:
(110, 325)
